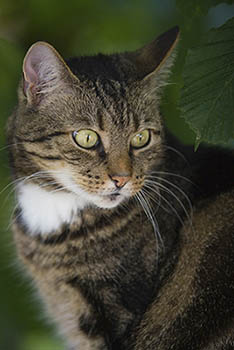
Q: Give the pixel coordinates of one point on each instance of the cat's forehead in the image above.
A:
(107, 94)
(110, 105)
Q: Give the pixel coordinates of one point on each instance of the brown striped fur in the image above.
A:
(194, 309)
(111, 277)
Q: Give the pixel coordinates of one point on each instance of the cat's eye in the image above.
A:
(140, 139)
(86, 138)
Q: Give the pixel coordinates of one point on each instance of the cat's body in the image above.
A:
(194, 308)
(111, 275)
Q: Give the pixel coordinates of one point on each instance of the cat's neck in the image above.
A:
(44, 212)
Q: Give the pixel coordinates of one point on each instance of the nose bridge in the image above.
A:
(119, 163)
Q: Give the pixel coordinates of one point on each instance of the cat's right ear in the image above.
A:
(44, 70)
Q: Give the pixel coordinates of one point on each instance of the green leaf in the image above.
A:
(198, 7)
(207, 98)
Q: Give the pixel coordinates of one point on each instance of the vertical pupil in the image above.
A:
(88, 138)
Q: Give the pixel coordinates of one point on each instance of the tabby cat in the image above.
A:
(105, 195)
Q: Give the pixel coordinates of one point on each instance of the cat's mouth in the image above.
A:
(104, 199)
(113, 196)
(110, 200)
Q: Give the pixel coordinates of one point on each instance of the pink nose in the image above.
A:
(120, 181)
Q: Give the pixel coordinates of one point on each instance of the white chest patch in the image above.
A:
(43, 212)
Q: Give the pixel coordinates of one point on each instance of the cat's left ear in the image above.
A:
(156, 59)
(44, 71)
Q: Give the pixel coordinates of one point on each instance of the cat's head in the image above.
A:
(91, 126)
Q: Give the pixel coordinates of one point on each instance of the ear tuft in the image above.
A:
(43, 70)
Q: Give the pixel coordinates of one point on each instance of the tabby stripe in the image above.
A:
(98, 94)
(122, 116)
(43, 138)
(127, 121)
(44, 157)
(111, 91)
(122, 91)
(100, 120)
(73, 161)
(135, 119)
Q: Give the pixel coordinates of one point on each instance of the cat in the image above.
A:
(105, 198)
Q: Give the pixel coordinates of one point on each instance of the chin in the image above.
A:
(109, 201)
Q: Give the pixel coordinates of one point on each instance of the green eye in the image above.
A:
(141, 139)
(86, 138)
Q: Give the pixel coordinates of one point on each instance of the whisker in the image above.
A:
(10, 145)
(146, 208)
(172, 174)
(167, 190)
(12, 183)
(164, 188)
(13, 217)
(153, 219)
(177, 152)
(177, 188)
(43, 174)
(173, 210)
(156, 199)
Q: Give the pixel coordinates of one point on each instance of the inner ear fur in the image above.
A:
(43, 71)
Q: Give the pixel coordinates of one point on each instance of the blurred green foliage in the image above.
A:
(77, 27)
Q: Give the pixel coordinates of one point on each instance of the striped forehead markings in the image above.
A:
(112, 95)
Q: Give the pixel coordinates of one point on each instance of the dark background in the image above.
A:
(77, 27)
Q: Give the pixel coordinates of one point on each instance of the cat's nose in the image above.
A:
(120, 181)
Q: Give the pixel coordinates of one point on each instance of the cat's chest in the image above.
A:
(44, 212)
